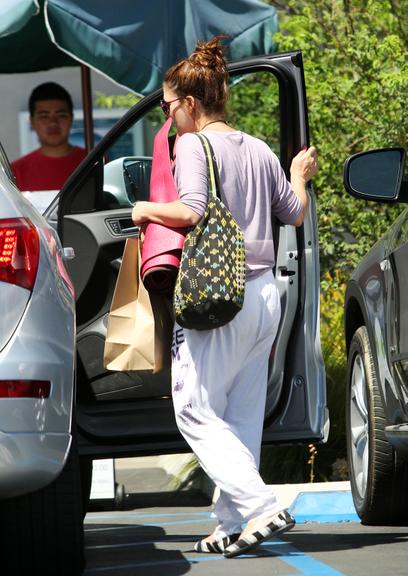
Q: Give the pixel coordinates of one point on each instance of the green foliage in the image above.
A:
(357, 80)
(116, 100)
(253, 107)
(155, 116)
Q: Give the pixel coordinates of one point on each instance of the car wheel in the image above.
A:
(378, 478)
(42, 532)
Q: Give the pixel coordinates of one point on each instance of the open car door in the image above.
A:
(123, 413)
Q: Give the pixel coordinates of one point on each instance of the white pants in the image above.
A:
(219, 380)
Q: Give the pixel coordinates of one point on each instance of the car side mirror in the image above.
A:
(375, 174)
(126, 180)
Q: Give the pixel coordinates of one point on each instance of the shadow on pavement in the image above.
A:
(311, 538)
(126, 549)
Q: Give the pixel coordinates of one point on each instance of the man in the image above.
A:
(48, 167)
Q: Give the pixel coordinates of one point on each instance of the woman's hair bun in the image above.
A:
(210, 54)
(203, 75)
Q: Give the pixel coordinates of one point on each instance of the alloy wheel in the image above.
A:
(359, 425)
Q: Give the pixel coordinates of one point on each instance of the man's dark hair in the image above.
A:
(49, 91)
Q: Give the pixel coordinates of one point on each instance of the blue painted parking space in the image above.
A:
(336, 506)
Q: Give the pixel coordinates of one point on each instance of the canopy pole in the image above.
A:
(87, 106)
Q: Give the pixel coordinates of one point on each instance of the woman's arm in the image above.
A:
(174, 214)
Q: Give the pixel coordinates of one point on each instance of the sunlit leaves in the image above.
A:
(357, 85)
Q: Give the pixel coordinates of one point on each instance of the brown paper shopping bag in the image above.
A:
(140, 324)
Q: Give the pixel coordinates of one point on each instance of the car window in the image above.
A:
(253, 107)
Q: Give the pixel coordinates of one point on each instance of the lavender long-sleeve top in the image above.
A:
(253, 186)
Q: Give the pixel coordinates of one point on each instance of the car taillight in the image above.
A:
(19, 252)
(24, 388)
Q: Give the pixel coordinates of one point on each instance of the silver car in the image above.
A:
(37, 343)
(131, 413)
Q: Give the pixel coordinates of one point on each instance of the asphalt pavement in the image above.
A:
(159, 541)
(155, 533)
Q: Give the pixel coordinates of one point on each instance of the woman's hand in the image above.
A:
(304, 165)
(140, 212)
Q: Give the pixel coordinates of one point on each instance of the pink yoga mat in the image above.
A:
(162, 246)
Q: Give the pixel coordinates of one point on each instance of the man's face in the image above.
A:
(52, 121)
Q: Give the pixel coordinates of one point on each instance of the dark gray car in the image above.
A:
(376, 326)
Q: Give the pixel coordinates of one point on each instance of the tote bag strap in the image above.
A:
(212, 169)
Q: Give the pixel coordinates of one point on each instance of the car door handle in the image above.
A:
(68, 253)
(131, 230)
(122, 227)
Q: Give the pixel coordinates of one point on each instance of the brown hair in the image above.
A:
(203, 75)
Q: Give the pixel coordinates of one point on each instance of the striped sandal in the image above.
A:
(216, 546)
(281, 522)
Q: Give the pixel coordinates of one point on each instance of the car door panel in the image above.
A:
(96, 246)
(296, 389)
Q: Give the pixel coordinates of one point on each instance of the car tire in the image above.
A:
(120, 496)
(42, 532)
(378, 478)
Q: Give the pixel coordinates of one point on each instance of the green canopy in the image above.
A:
(14, 14)
(25, 45)
(132, 42)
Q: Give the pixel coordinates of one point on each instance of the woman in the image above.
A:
(219, 376)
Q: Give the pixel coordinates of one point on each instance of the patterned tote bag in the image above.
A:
(210, 285)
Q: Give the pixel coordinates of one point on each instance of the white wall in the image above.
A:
(15, 90)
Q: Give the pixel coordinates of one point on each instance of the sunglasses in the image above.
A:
(165, 105)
